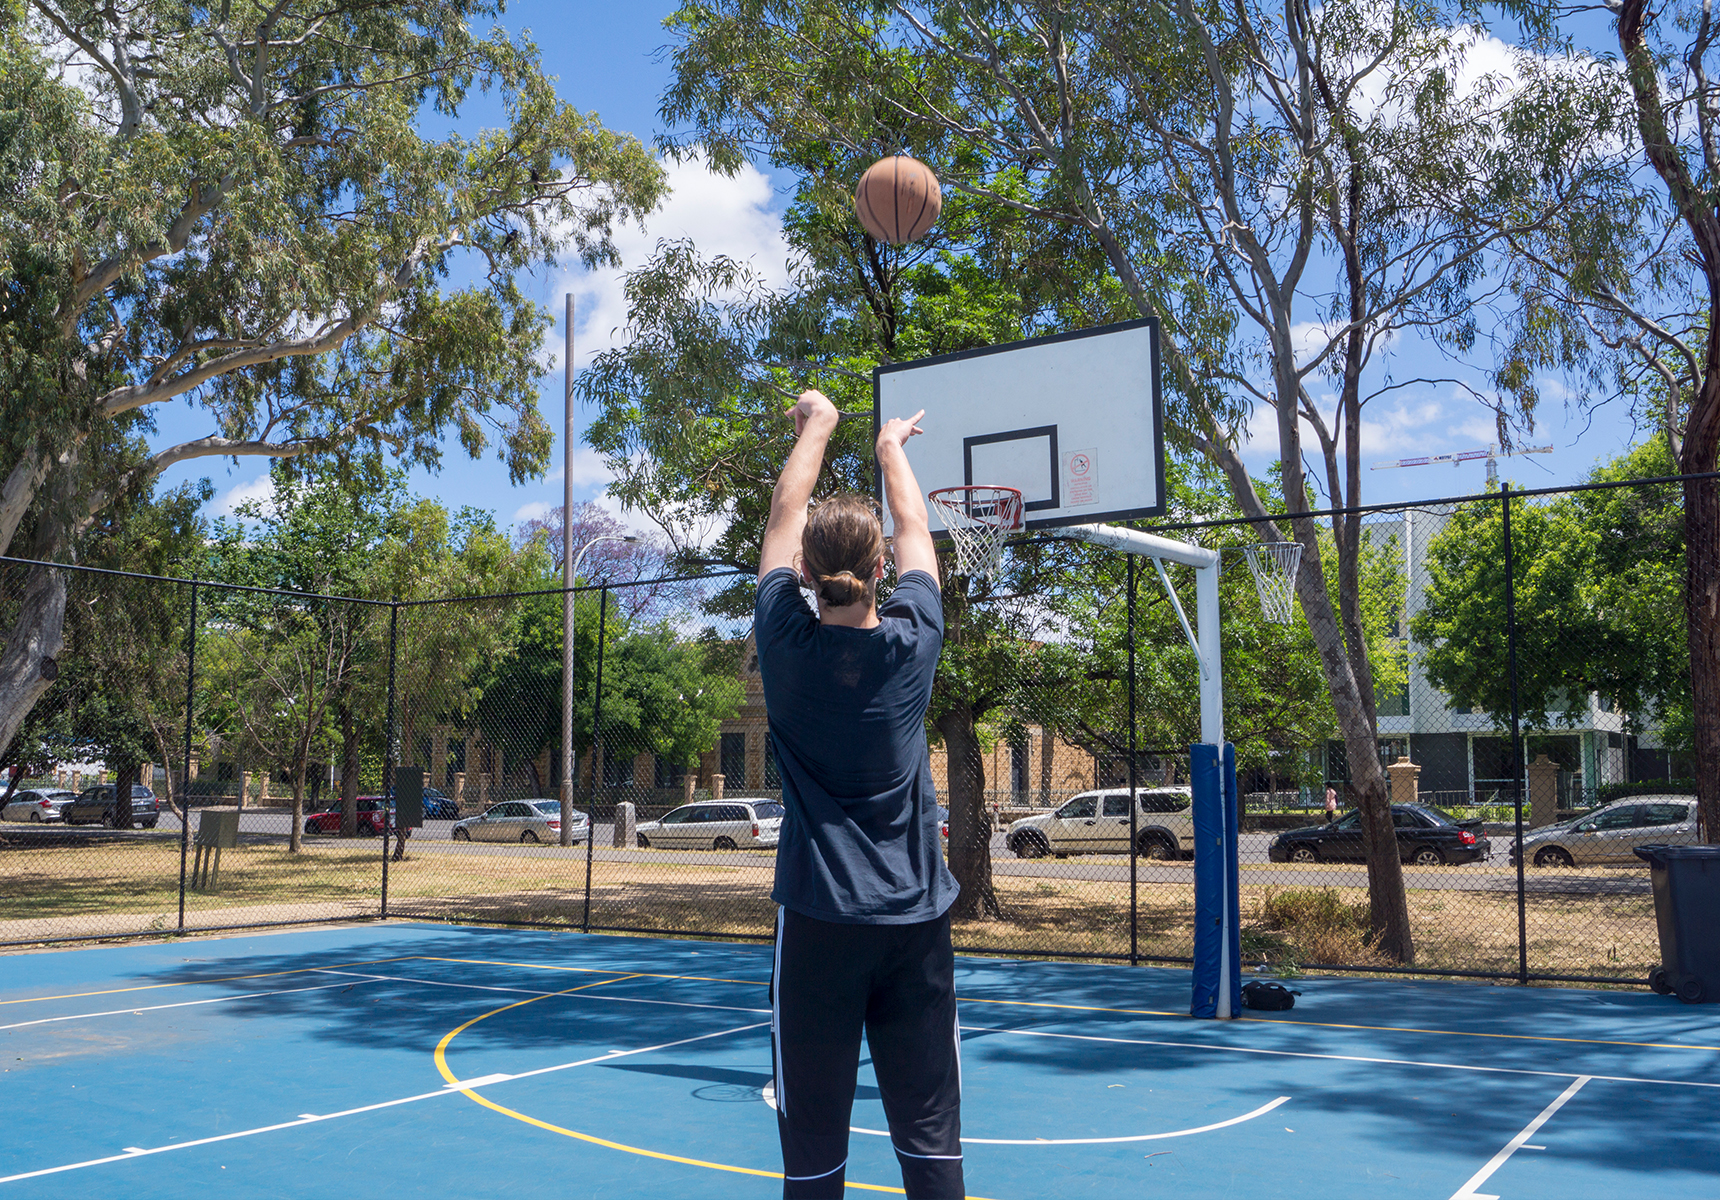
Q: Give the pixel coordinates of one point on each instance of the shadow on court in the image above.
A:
(1369, 1087)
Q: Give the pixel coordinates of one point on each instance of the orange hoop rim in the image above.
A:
(962, 499)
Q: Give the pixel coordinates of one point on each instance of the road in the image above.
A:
(1495, 875)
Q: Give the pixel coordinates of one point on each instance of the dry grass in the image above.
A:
(131, 885)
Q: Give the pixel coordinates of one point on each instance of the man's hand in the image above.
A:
(812, 406)
(896, 431)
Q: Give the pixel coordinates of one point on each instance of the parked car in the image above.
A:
(1097, 822)
(1426, 837)
(372, 811)
(521, 821)
(96, 805)
(36, 804)
(1612, 833)
(715, 825)
(439, 806)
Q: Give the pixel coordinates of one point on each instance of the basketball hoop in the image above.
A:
(979, 520)
(1273, 565)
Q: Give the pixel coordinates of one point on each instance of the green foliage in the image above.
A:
(241, 208)
(1599, 580)
(662, 693)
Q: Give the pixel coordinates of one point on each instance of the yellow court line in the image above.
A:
(489, 962)
(1135, 1012)
(1153, 1012)
(441, 1057)
(1519, 1037)
(150, 987)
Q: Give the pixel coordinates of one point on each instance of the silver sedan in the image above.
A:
(1612, 834)
(37, 804)
(520, 821)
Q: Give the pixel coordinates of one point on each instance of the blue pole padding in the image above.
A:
(1217, 927)
(1232, 975)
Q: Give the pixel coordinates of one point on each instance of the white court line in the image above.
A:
(1355, 1058)
(1468, 1192)
(1137, 1137)
(120, 1012)
(133, 1153)
(481, 987)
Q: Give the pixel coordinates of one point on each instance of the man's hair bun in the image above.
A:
(841, 589)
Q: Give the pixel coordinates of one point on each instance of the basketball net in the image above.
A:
(979, 520)
(1273, 565)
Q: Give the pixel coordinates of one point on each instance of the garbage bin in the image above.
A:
(1686, 881)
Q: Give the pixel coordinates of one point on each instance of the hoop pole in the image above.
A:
(1211, 682)
(1135, 542)
(1205, 645)
(1194, 642)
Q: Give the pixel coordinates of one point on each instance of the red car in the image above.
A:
(370, 818)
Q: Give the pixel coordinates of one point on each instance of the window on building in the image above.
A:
(733, 757)
(772, 775)
(669, 774)
(1018, 768)
(617, 769)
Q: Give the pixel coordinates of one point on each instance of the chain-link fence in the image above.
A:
(1537, 675)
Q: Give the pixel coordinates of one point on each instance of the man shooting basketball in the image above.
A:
(863, 932)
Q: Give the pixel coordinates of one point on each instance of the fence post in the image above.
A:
(392, 751)
(1516, 737)
(185, 765)
(1134, 819)
(599, 763)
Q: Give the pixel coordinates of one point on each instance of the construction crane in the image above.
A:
(1491, 453)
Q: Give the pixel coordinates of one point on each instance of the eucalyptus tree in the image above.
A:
(1288, 188)
(1624, 297)
(238, 207)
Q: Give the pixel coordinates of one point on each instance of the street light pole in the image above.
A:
(569, 572)
(567, 579)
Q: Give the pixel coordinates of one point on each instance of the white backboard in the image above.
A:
(1073, 420)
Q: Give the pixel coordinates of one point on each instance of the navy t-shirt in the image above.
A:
(847, 707)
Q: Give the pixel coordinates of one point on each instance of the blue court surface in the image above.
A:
(420, 1060)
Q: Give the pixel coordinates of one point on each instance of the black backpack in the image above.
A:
(1263, 994)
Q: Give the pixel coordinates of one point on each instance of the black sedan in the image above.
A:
(1426, 838)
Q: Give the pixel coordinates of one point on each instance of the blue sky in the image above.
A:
(604, 56)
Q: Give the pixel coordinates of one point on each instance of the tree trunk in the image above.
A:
(348, 772)
(125, 778)
(1388, 907)
(1702, 611)
(29, 664)
(970, 839)
(296, 832)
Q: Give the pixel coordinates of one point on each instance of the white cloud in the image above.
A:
(537, 510)
(588, 469)
(261, 489)
(1430, 426)
(725, 215)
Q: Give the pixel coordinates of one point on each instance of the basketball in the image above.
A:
(898, 199)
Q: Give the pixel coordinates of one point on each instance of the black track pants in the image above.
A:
(898, 983)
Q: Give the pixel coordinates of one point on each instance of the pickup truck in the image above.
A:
(1097, 822)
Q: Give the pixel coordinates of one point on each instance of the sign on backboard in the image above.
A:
(1073, 420)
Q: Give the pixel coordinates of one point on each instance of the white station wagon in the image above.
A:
(1098, 823)
(715, 825)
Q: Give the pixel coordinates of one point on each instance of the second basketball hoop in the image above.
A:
(979, 519)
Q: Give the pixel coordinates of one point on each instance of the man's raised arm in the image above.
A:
(814, 421)
(912, 538)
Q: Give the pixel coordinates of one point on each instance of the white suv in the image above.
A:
(715, 825)
(1098, 823)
